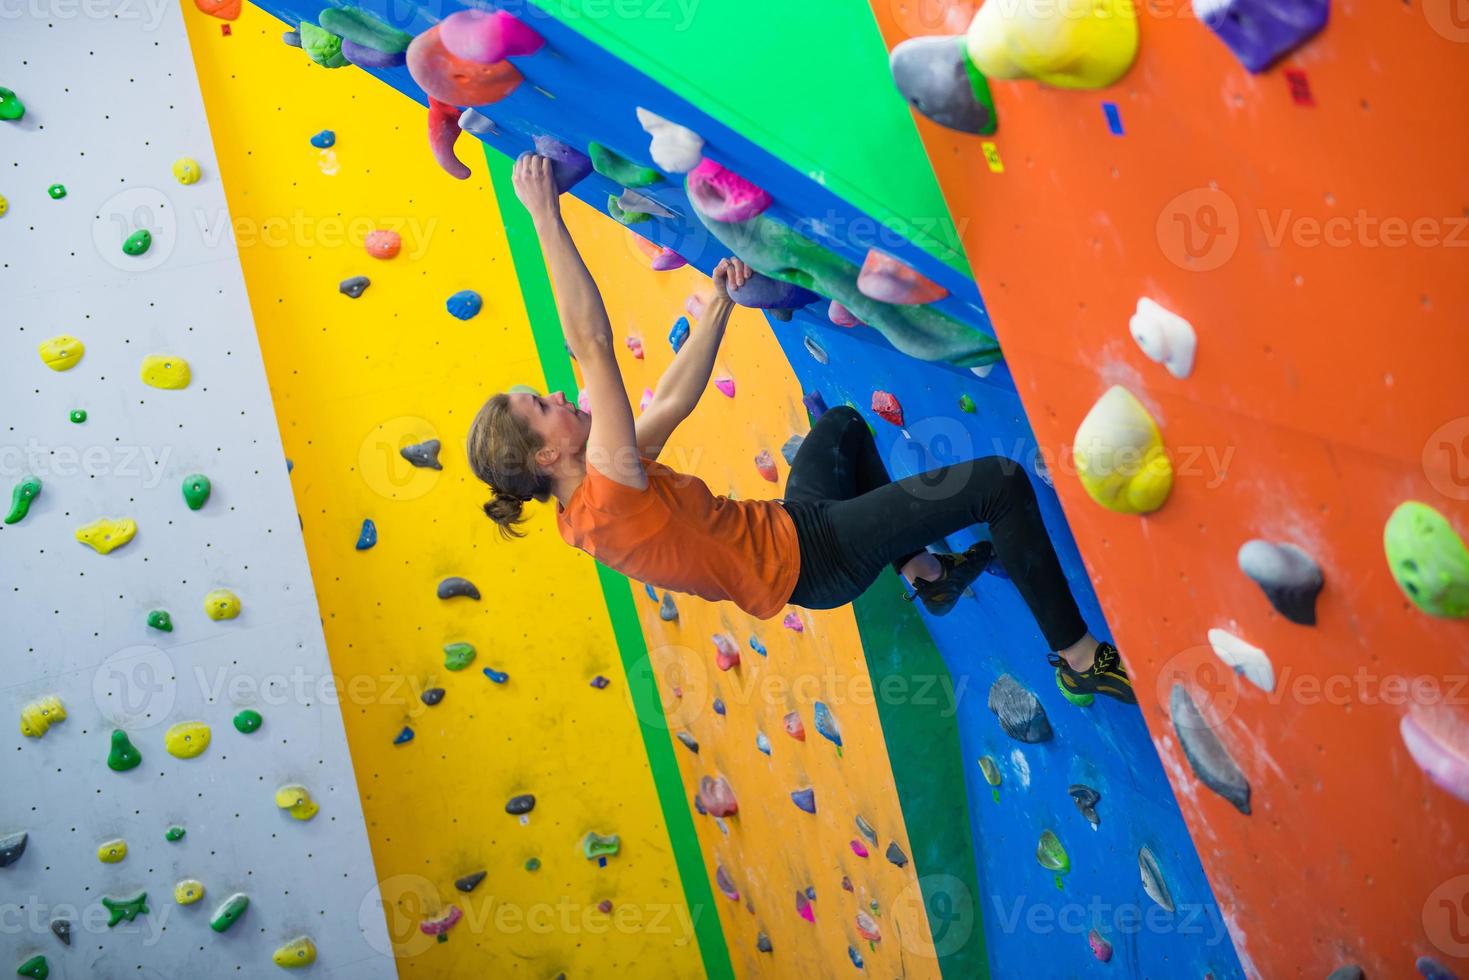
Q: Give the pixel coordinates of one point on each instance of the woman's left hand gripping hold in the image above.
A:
(730, 273)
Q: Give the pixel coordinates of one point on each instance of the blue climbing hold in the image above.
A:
(367, 537)
(756, 645)
(406, 735)
(324, 139)
(600, 682)
(811, 893)
(498, 676)
(465, 304)
(719, 706)
(679, 333)
(856, 956)
(652, 592)
(667, 611)
(805, 799)
(826, 724)
(762, 742)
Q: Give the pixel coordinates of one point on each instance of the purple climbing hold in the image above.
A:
(568, 164)
(815, 404)
(498, 676)
(367, 537)
(805, 799)
(804, 908)
(719, 706)
(364, 57)
(522, 804)
(403, 737)
(725, 885)
(1019, 711)
(679, 333)
(432, 696)
(599, 682)
(717, 797)
(1261, 31)
(454, 587)
(486, 37)
(292, 38)
(895, 854)
(761, 292)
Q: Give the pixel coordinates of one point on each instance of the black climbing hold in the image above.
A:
(354, 287)
(895, 854)
(432, 696)
(1290, 578)
(454, 586)
(688, 741)
(12, 846)
(61, 929)
(762, 943)
(1019, 711)
(1349, 972)
(1207, 755)
(469, 882)
(524, 803)
(423, 454)
(1086, 800)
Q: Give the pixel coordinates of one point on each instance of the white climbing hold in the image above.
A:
(1164, 336)
(1250, 662)
(675, 148)
(634, 203)
(476, 122)
(983, 371)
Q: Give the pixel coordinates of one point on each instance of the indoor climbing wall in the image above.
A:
(1251, 203)
(481, 703)
(179, 796)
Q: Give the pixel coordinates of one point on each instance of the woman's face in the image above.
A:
(560, 424)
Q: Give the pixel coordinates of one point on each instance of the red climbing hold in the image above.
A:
(726, 652)
(842, 316)
(794, 728)
(442, 923)
(383, 244)
(717, 797)
(868, 928)
(443, 130)
(724, 195)
(765, 463)
(887, 406)
(888, 280)
(485, 38)
(456, 80)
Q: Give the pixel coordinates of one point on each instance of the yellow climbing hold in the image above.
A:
(186, 170)
(186, 739)
(1120, 457)
(105, 535)
(112, 851)
(4, 205)
(299, 952)
(1082, 44)
(221, 604)
(165, 371)
(295, 800)
(62, 353)
(188, 891)
(37, 717)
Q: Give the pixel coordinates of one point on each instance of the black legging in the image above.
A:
(852, 519)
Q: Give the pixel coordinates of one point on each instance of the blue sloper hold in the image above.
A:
(498, 676)
(465, 304)
(756, 645)
(324, 139)
(364, 57)
(454, 587)
(764, 293)
(667, 611)
(762, 742)
(719, 706)
(855, 956)
(652, 592)
(679, 333)
(406, 735)
(599, 682)
(292, 38)
(805, 799)
(826, 724)
(367, 537)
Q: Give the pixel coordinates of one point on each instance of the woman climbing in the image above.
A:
(842, 518)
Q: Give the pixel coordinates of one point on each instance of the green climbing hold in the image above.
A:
(125, 908)
(229, 912)
(196, 490)
(594, 845)
(625, 217)
(619, 169)
(361, 27)
(247, 721)
(533, 864)
(57, 191)
(323, 47)
(124, 755)
(1052, 856)
(457, 656)
(966, 404)
(160, 620)
(174, 834)
(28, 489)
(36, 966)
(981, 87)
(1083, 700)
(1428, 559)
(138, 242)
(78, 415)
(991, 770)
(11, 108)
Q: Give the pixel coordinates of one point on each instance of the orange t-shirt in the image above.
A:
(677, 535)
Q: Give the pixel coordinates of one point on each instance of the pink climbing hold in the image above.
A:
(888, 280)
(804, 908)
(726, 386)
(724, 195)
(886, 405)
(662, 258)
(765, 463)
(726, 886)
(1101, 949)
(842, 316)
(383, 244)
(717, 797)
(442, 924)
(794, 728)
(443, 131)
(646, 400)
(1439, 744)
(726, 651)
(485, 38)
(793, 622)
(454, 80)
(635, 344)
(858, 848)
(868, 928)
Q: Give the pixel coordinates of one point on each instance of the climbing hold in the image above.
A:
(762, 943)
(61, 929)
(1250, 662)
(56, 191)
(28, 489)
(1119, 455)
(678, 333)
(403, 737)
(886, 405)
(519, 805)
(12, 846)
(11, 107)
(726, 651)
(632, 202)
(36, 967)
(105, 535)
(322, 47)
(717, 797)
(662, 259)
(164, 371)
(324, 139)
(470, 882)
(804, 908)
(568, 164)
(432, 696)
(594, 845)
(187, 739)
(817, 352)
(1432, 969)
(37, 717)
(186, 170)
(485, 37)
(112, 851)
(295, 800)
(125, 908)
(1207, 755)
(188, 891)
(123, 755)
(1086, 800)
(667, 611)
(895, 854)
(476, 122)
(465, 304)
(61, 353)
(78, 415)
(719, 707)
(677, 149)
(367, 537)
(1101, 949)
(440, 924)
(764, 293)
(423, 454)
(616, 210)
(793, 623)
(174, 834)
(1020, 712)
(354, 287)
(826, 724)
(498, 676)
(223, 9)
(383, 243)
(889, 280)
(599, 682)
(867, 928)
(726, 887)
(291, 38)
(196, 490)
(724, 195)
(1164, 337)
(815, 405)
(841, 316)
(1437, 744)
(454, 587)
(635, 345)
(295, 954)
(689, 742)
(788, 451)
(1290, 577)
(1152, 876)
(1260, 32)
(865, 829)
(247, 722)
(765, 464)
(794, 728)
(966, 404)
(362, 28)
(229, 911)
(1051, 855)
(858, 848)
(4, 205)
(805, 799)
(457, 656)
(762, 742)
(1074, 44)
(646, 400)
(756, 645)
(1428, 560)
(990, 769)
(443, 132)
(619, 169)
(221, 604)
(935, 76)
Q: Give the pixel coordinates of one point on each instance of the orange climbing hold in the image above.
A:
(383, 244)
(223, 9)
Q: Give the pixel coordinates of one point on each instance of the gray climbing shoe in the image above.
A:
(942, 594)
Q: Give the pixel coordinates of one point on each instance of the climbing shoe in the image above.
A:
(942, 594)
(1106, 676)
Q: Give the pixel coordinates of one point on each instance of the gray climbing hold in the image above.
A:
(524, 803)
(1086, 800)
(762, 943)
(635, 203)
(932, 75)
(432, 696)
(1290, 578)
(354, 287)
(1152, 876)
(865, 829)
(895, 854)
(1349, 972)
(667, 611)
(1019, 711)
(61, 929)
(454, 587)
(791, 447)
(815, 350)
(423, 454)
(1209, 758)
(469, 882)
(12, 846)
(688, 741)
